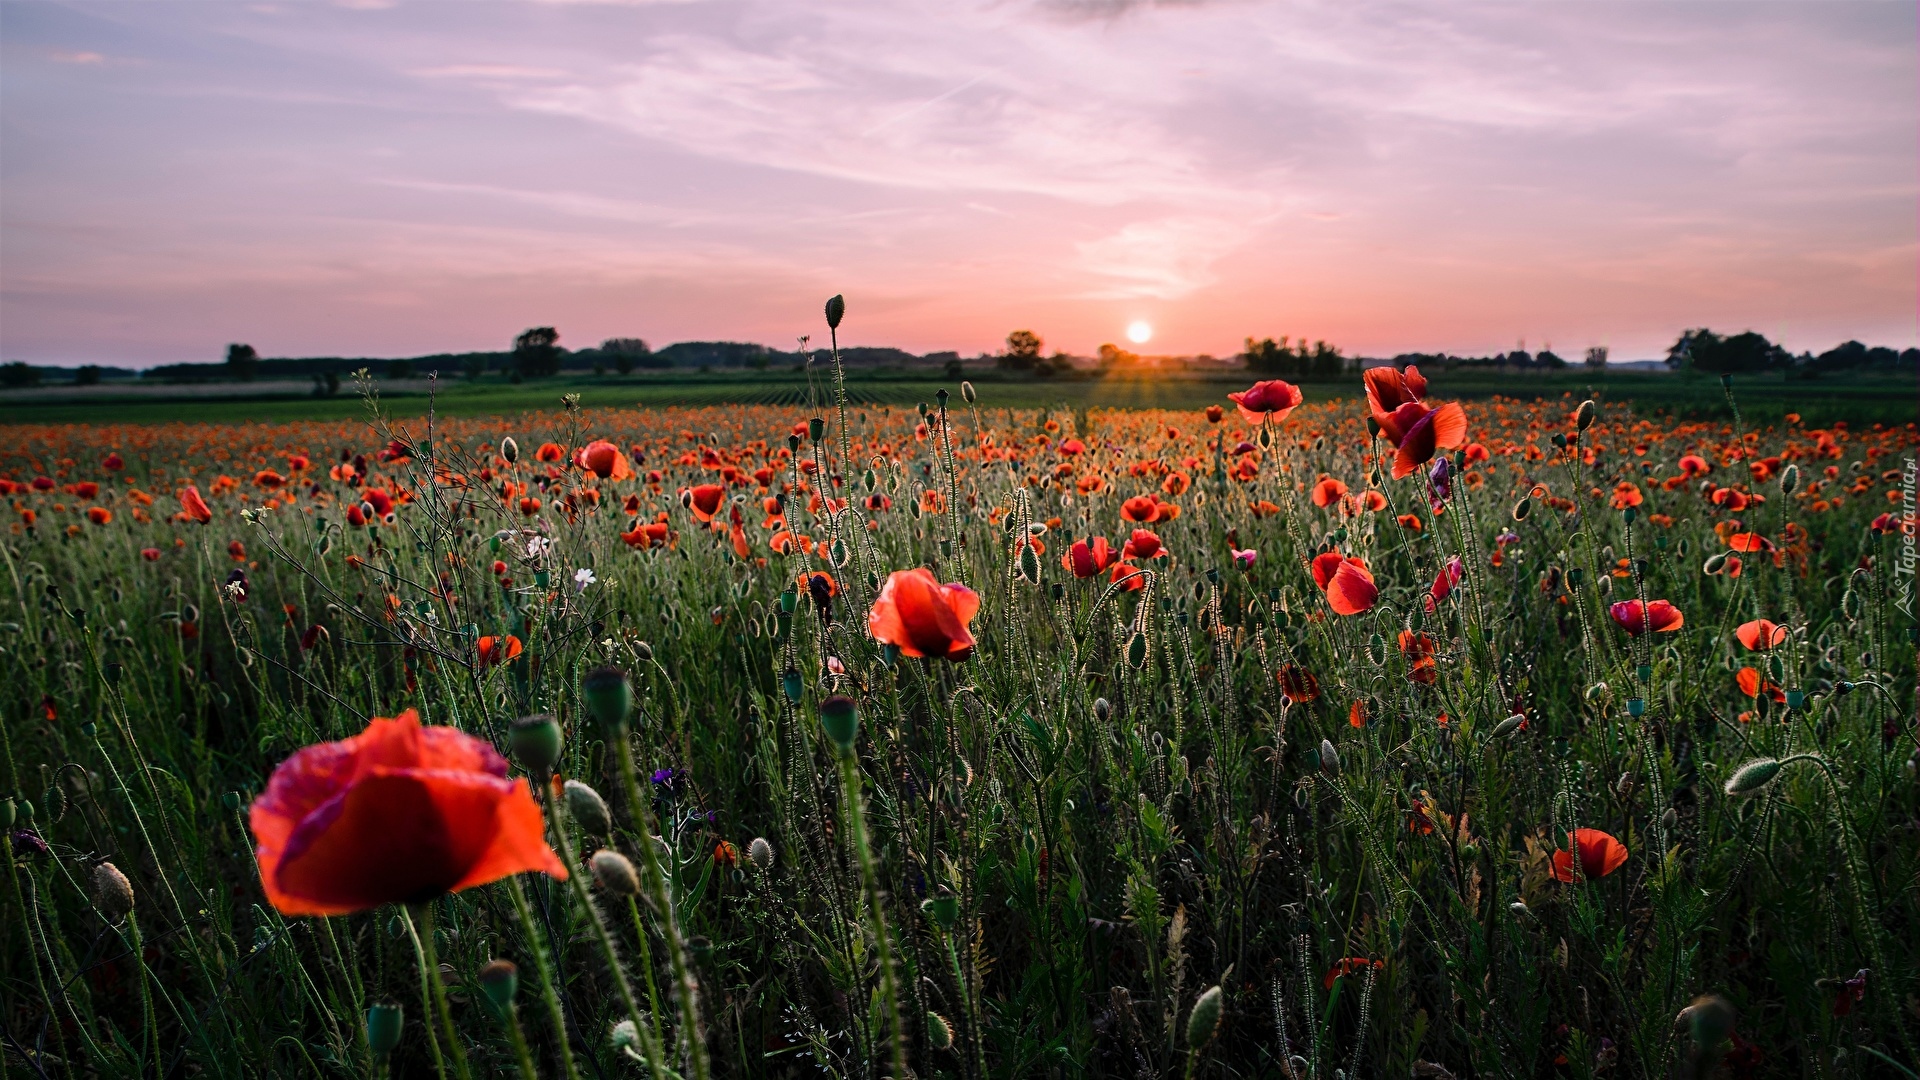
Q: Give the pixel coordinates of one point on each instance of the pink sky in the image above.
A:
(393, 179)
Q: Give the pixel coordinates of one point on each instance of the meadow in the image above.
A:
(1348, 733)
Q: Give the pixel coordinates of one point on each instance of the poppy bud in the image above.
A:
(1373, 428)
(1560, 440)
(760, 854)
(384, 1023)
(1789, 479)
(509, 450)
(609, 696)
(1205, 1018)
(1102, 709)
(1523, 508)
(535, 741)
(1583, 416)
(943, 907)
(614, 873)
(840, 719)
(817, 428)
(1329, 758)
(1714, 564)
(1669, 819)
(500, 981)
(1137, 650)
(836, 310)
(1519, 910)
(588, 808)
(1753, 776)
(966, 392)
(939, 1032)
(112, 892)
(1508, 726)
(1708, 1021)
(643, 652)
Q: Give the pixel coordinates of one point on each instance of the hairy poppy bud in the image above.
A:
(112, 892)
(643, 652)
(1204, 1020)
(942, 907)
(1523, 508)
(500, 981)
(836, 310)
(535, 741)
(1789, 479)
(624, 1035)
(1714, 564)
(760, 854)
(1560, 440)
(588, 808)
(384, 1024)
(614, 873)
(1583, 416)
(609, 696)
(1102, 709)
(840, 719)
(1329, 758)
(966, 392)
(1753, 776)
(1508, 726)
(1519, 910)
(509, 450)
(939, 1032)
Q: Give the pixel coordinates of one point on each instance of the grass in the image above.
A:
(1856, 399)
(1037, 858)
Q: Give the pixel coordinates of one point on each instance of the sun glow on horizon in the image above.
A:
(1139, 332)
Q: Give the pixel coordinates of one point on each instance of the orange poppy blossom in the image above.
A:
(1416, 431)
(1346, 581)
(1084, 559)
(550, 452)
(195, 507)
(604, 460)
(1348, 966)
(1269, 399)
(1753, 685)
(400, 813)
(1760, 635)
(1600, 855)
(498, 649)
(704, 500)
(1130, 578)
(1637, 617)
(1298, 684)
(1143, 544)
(1418, 650)
(1328, 491)
(1626, 495)
(923, 618)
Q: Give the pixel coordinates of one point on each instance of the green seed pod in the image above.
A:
(112, 892)
(6, 813)
(1137, 651)
(384, 1023)
(614, 872)
(587, 807)
(609, 696)
(1029, 564)
(943, 907)
(499, 982)
(840, 719)
(939, 1032)
(817, 428)
(1752, 777)
(836, 310)
(1205, 1018)
(791, 685)
(1559, 440)
(535, 742)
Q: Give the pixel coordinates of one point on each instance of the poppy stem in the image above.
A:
(543, 965)
(657, 886)
(646, 968)
(434, 989)
(876, 914)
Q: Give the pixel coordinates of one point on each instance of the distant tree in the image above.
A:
(1547, 358)
(1741, 353)
(1324, 362)
(1113, 357)
(1270, 357)
(242, 362)
(17, 374)
(399, 369)
(627, 353)
(953, 368)
(475, 365)
(1597, 357)
(88, 375)
(326, 384)
(536, 353)
(1023, 351)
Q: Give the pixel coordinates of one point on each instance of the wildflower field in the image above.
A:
(1389, 737)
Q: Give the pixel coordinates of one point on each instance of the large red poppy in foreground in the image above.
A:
(1347, 582)
(923, 617)
(1418, 432)
(397, 813)
(1272, 398)
(1600, 855)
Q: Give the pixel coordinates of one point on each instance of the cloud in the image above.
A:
(488, 71)
(64, 57)
(1163, 259)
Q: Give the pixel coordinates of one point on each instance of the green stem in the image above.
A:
(429, 984)
(646, 967)
(542, 965)
(519, 1041)
(620, 983)
(876, 915)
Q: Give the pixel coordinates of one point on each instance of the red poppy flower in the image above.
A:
(1347, 582)
(528, 506)
(1443, 583)
(1270, 399)
(1298, 684)
(1130, 578)
(1143, 544)
(1357, 715)
(1140, 508)
(99, 515)
(1600, 855)
(1749, 541)
(1347, 966)
(1625, 495)
(923, 617)
(726, 854)
(113, 462)
(646, 536)
(549, 452)
(1388, 389)
(704, 500)
(1328, 491)
(1084, 560)
(151, 554)
(1214, 413)
(395, 814)
(1761, 634)
(1418, 650)
(194, 506)
(1637, 617)
(1694, 465)
(498, 650)
(604, 460)
(1752, 685)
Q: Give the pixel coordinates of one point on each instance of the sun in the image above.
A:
(1139, 332)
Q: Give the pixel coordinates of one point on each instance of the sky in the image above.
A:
(369, 178)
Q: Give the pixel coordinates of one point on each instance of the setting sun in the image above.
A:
(1139, 332)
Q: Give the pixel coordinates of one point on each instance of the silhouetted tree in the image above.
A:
(1743, 352)
(1597, 357)
(17, 374)
(242, 362)
(88, 375)
(536, 352)
(1023, 351)
(626, 352)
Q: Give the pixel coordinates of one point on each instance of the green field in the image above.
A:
(1857, 399)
